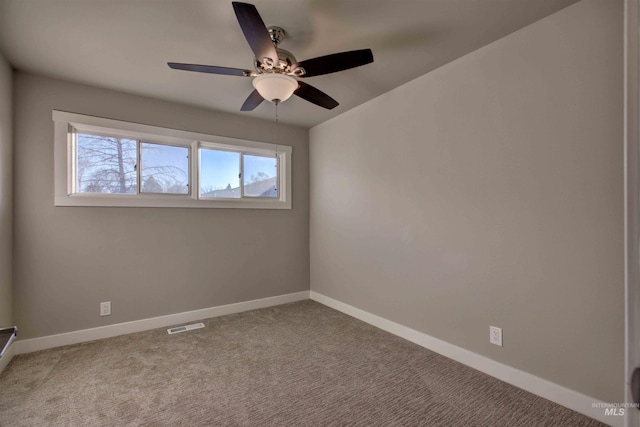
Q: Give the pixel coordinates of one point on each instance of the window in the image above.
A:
(229, 174)
(103, 162)
(164, 168)
(260, 176)
(219, 174)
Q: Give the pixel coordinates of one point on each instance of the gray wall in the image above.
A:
(147, 261)
(6, 195)
(489, 192)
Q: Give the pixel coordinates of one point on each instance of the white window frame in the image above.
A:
(67, 123)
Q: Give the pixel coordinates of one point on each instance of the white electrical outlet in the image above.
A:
(495, 335)
(105, 308)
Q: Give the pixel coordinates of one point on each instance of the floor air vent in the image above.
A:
(185, 328)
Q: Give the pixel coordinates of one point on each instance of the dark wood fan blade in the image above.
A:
(335, 62)
(255, 31)
(315, 96)
(210, 69)
(253, 100)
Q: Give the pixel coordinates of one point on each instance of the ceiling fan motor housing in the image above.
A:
(277, 34)
(285, 61)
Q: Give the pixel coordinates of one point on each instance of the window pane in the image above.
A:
(219, 174)
(164, 168)
(260, 176)
(106, 164)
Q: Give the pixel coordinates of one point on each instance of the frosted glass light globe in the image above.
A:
(275, 87)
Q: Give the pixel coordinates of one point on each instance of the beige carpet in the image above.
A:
(293, 365)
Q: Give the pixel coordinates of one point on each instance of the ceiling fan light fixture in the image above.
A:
(276, 68)
(275, 87)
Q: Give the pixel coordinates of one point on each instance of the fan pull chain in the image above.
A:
(275, 141)
(275, 128)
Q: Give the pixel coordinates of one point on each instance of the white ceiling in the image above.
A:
(125, 44)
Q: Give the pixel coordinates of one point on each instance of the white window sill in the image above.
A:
(168, 202)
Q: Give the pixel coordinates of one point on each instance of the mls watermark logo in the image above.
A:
(614, 412)
(614, 409)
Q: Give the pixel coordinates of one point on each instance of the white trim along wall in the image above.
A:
(571, 399)
(75, 337)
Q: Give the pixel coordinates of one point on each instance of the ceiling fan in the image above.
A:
(277, 70)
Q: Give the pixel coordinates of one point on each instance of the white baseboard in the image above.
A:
(75, 337)
(536, 385)
(7, 356)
